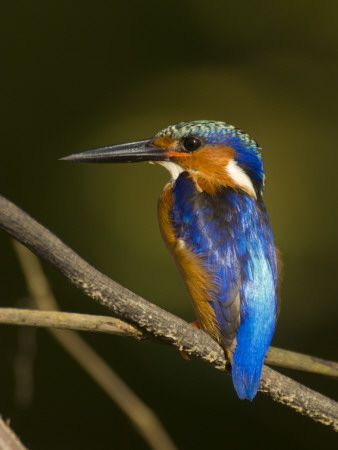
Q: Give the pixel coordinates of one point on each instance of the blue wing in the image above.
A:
(231, 231)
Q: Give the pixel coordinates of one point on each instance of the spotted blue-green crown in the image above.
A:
(247, 151)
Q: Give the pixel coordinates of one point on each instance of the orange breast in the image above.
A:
(197, 278)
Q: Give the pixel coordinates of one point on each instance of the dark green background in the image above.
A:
(77, 75)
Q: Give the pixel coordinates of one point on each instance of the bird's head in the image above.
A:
(215, 154)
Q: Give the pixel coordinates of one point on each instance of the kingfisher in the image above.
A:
(214, 222)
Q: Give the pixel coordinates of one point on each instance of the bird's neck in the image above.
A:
(211, 173)
(191, 185)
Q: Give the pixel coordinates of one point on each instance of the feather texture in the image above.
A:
(230, 235)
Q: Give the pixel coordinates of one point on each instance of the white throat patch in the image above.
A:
(174, 169)
(240, 178)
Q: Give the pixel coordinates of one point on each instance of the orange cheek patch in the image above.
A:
(212, 160)
(208, 167)
(208, 161)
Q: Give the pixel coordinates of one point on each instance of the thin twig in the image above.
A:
(8, 439)
(143, 418)
(112, 325)
(299, 361)
(151, 318)
(68, 321)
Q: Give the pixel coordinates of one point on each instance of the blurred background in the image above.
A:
(77, 75)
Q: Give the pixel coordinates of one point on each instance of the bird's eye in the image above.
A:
(191, 143)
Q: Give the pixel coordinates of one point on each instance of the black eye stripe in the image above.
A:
(191, 143)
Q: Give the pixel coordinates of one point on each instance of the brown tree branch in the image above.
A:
(68, 321)
(299, 361)
(141, 415)
(8, 439)
(151, 318)
(112, 325)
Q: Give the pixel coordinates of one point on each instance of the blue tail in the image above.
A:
(248, 358)
(246, 374)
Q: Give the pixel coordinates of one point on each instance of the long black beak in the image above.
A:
(137, 151)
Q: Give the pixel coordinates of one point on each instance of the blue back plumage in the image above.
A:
(231, 231)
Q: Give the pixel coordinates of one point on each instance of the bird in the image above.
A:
(214, 222)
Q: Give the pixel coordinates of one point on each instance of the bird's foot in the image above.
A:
(195, 324)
